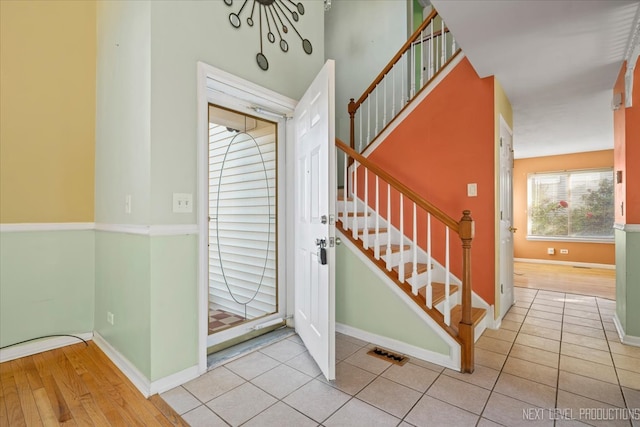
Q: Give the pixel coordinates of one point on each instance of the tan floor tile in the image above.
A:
(585, 353)
(280, 415)
(492, 344)
(389, 396)
(369, 363)
(180, 400)
(510, 325)
(535, 355)
(539, 331)
(489, 358)
(433, 412)
(316, 400)
(252, 365)
(609, 326)
(624, 349)
(544, 323)
(349, 379)
(629, 379)
(345, 348)
(283, 350)
(557, 317)
(281, 380)
(459, 393)
(564, 422)
(214, 383)
(359, 413)
(481, 376)
(596, 324)
(425, 364)
(588, 369)
(412, 376)
(632, 397)
(522, 304)
(241, 404)
(518, 310)
(305, 364)
(531, 371)
(585, 409)
(538, 342)
(531, 392)
(583, 330)
(518, 318)
(612, 336)
(511, 412)
(582, 314)
(203, 417)
(354, 340)
(558, 308)
(555, 302)
(296, 339)
(487, 423)
(500, 334)
(585, 341)
(593, 389)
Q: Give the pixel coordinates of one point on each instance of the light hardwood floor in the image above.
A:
(596, 282)
(75, 386)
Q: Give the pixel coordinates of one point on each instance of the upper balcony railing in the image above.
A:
(417, 62)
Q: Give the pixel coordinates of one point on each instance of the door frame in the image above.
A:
(221, 88)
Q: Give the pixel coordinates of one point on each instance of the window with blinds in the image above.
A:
(242, 217)
(574, 205)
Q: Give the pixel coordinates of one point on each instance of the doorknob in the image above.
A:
(338, 241)
(512, 229)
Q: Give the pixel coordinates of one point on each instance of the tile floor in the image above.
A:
(556, 355)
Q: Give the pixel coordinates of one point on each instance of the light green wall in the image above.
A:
(174, 301)
(628, 281)
(47, 284)
(365, 302)
(184, 32)
(122, 287)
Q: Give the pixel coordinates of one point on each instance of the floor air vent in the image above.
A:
(389, 356)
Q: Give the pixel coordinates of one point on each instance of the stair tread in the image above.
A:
(477, 314)
(350, 214)
(372, 230)
(437, 292)
(408, 269)
(396, 248)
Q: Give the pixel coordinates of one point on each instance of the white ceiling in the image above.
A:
(556, 60)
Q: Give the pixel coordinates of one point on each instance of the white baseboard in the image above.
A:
(138, 379)
(36, 347)
(175, 380)
(576, 264)
(452, 361)
(624, 338)
(142, 383)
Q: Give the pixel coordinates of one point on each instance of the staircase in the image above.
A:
(402, 234)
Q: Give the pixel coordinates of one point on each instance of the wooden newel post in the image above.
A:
(465, 328)
(352, 118)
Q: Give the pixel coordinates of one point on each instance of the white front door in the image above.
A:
(314, 228)
(506, 219)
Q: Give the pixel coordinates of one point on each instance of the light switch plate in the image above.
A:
(182, 203)
(472, 190)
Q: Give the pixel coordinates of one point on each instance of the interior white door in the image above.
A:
(314, 201)
(506, 219)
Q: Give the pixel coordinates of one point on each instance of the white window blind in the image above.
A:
(577, 205)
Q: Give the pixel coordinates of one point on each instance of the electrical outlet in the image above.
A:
(110, 318)
(564, 251)
(551, 251)
(472, 190)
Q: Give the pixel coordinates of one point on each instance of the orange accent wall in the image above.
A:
(597, 253)
(447, 142)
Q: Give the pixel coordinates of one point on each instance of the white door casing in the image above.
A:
(506, 218)
(314, 209)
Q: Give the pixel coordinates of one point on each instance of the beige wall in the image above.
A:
(47, 111)
(598, 253)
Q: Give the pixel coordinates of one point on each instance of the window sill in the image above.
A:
(609, 240)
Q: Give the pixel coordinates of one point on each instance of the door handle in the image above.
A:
(338, 241)
(512, 229)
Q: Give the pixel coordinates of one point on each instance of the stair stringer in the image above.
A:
(452, 360)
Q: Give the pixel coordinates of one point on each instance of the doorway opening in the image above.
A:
(243, 292)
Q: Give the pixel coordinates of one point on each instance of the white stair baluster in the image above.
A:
(377, 113)
(384, 101)
(355, 201)
(447, 282)
(388, 254)
(421, 59)
(365, 234)
(429, 262)
(360, 147)
(368, 119)
(431, 53)
(414, 273)
(376, 242)
(412, 71)
(442, 53)
(345, 191)
(393, 94)
(401, 266)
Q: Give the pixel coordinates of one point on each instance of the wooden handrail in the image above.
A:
(415, 197)
(396, 58)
